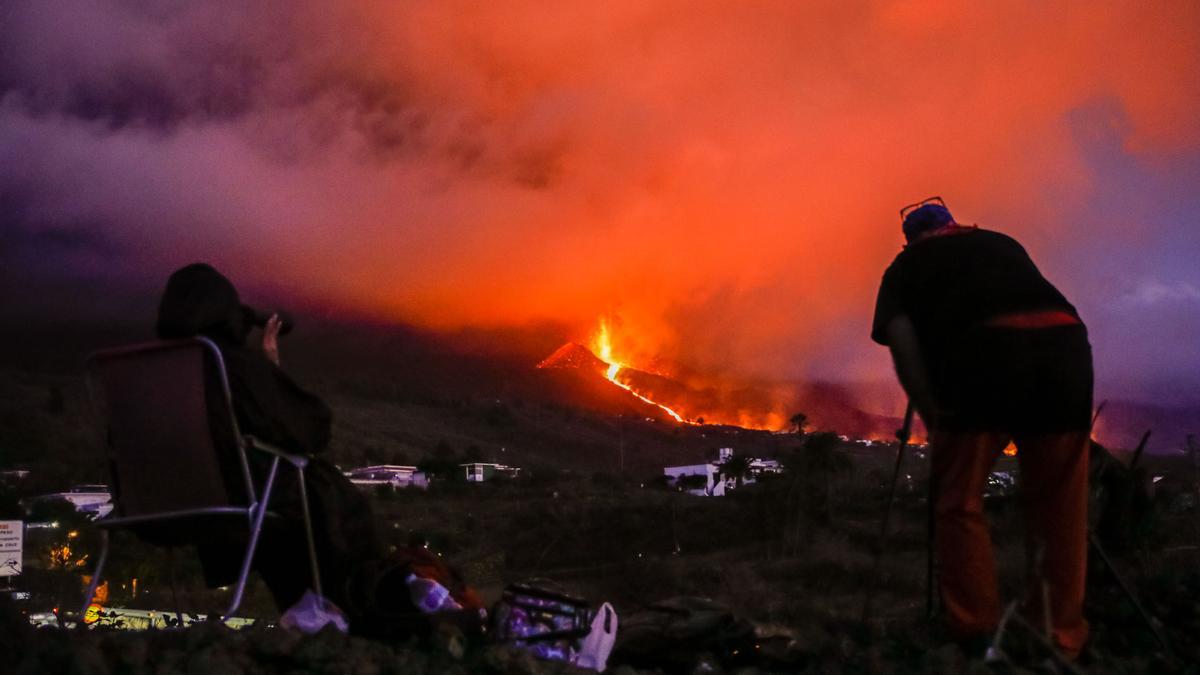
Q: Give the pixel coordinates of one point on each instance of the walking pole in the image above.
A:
(1096, 415)
(1094, 542)
(1141, 447)
(903, 435)
(930, 523)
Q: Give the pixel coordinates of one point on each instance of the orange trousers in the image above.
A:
(1054, 489)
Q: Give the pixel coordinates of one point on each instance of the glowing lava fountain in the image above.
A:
(602, 347)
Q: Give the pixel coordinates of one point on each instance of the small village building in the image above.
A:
(13, 476)
(478, 472)
(702, 480)
(712, 479)
(758, 467)
(392, 475)
(95, 501)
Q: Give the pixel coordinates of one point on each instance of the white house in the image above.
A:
(478, 472)
(394, 475)
(712, 485)
(760, 466)
(710, 480)
(93, 500)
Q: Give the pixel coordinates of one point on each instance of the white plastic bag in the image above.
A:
(429, 596)
(595, 648)
(312, 613)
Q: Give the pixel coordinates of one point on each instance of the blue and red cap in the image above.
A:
(926, 218)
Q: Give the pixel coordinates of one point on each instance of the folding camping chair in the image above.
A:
(177, 459)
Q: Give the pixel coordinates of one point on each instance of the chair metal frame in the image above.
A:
(257, 507)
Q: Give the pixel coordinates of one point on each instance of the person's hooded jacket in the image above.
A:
(269, 405)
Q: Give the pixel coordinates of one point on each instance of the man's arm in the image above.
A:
(910, 367)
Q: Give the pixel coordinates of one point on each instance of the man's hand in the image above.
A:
(270, 340)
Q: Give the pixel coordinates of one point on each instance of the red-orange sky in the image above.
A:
(723, 177)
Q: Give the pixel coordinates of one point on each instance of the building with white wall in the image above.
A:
(711, 479)
(702, 480)
(392, 475)
(478, 472)
(93, 500)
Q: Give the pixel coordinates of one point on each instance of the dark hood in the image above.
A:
(199, 300)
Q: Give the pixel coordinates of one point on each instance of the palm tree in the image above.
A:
(799, 421)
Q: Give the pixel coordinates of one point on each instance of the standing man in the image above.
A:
(990, 352)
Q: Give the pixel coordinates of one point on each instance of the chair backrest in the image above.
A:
(172, 439)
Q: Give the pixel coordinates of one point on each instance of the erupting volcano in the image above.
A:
(603, 343)
(694, 398)
(600, 358)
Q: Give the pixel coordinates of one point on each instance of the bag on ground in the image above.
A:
(313, 612)
(595, 648)
(548, 623)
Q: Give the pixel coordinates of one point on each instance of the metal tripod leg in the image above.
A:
(930, 524)
(903, 435)
(1149, 620)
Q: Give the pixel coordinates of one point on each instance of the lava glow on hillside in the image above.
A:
(603, 347)
(600, 358)
(687, 398)
(691, 372)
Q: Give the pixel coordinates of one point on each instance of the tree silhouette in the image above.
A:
(738, 467)
(820, 460)
(799, 421)
(443, 462)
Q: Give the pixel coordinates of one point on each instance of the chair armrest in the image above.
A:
(299, 461)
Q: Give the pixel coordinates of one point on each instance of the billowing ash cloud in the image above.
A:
(724, 177)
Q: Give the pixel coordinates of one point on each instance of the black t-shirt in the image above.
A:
(951, 282)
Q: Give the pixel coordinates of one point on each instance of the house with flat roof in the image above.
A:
(702, 480)
(393, 475)
(713, 479)
(478, 472)
(93, 500)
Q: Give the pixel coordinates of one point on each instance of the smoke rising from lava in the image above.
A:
(723, 177)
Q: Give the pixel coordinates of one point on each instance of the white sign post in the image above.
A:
(11, 540)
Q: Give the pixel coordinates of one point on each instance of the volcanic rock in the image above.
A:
(573, 355)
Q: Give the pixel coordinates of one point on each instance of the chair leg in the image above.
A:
(260, 511)
(308, 531)
(91, 591)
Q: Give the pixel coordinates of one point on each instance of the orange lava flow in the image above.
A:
(602, 346)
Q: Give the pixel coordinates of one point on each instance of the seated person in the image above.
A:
(270, 406)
